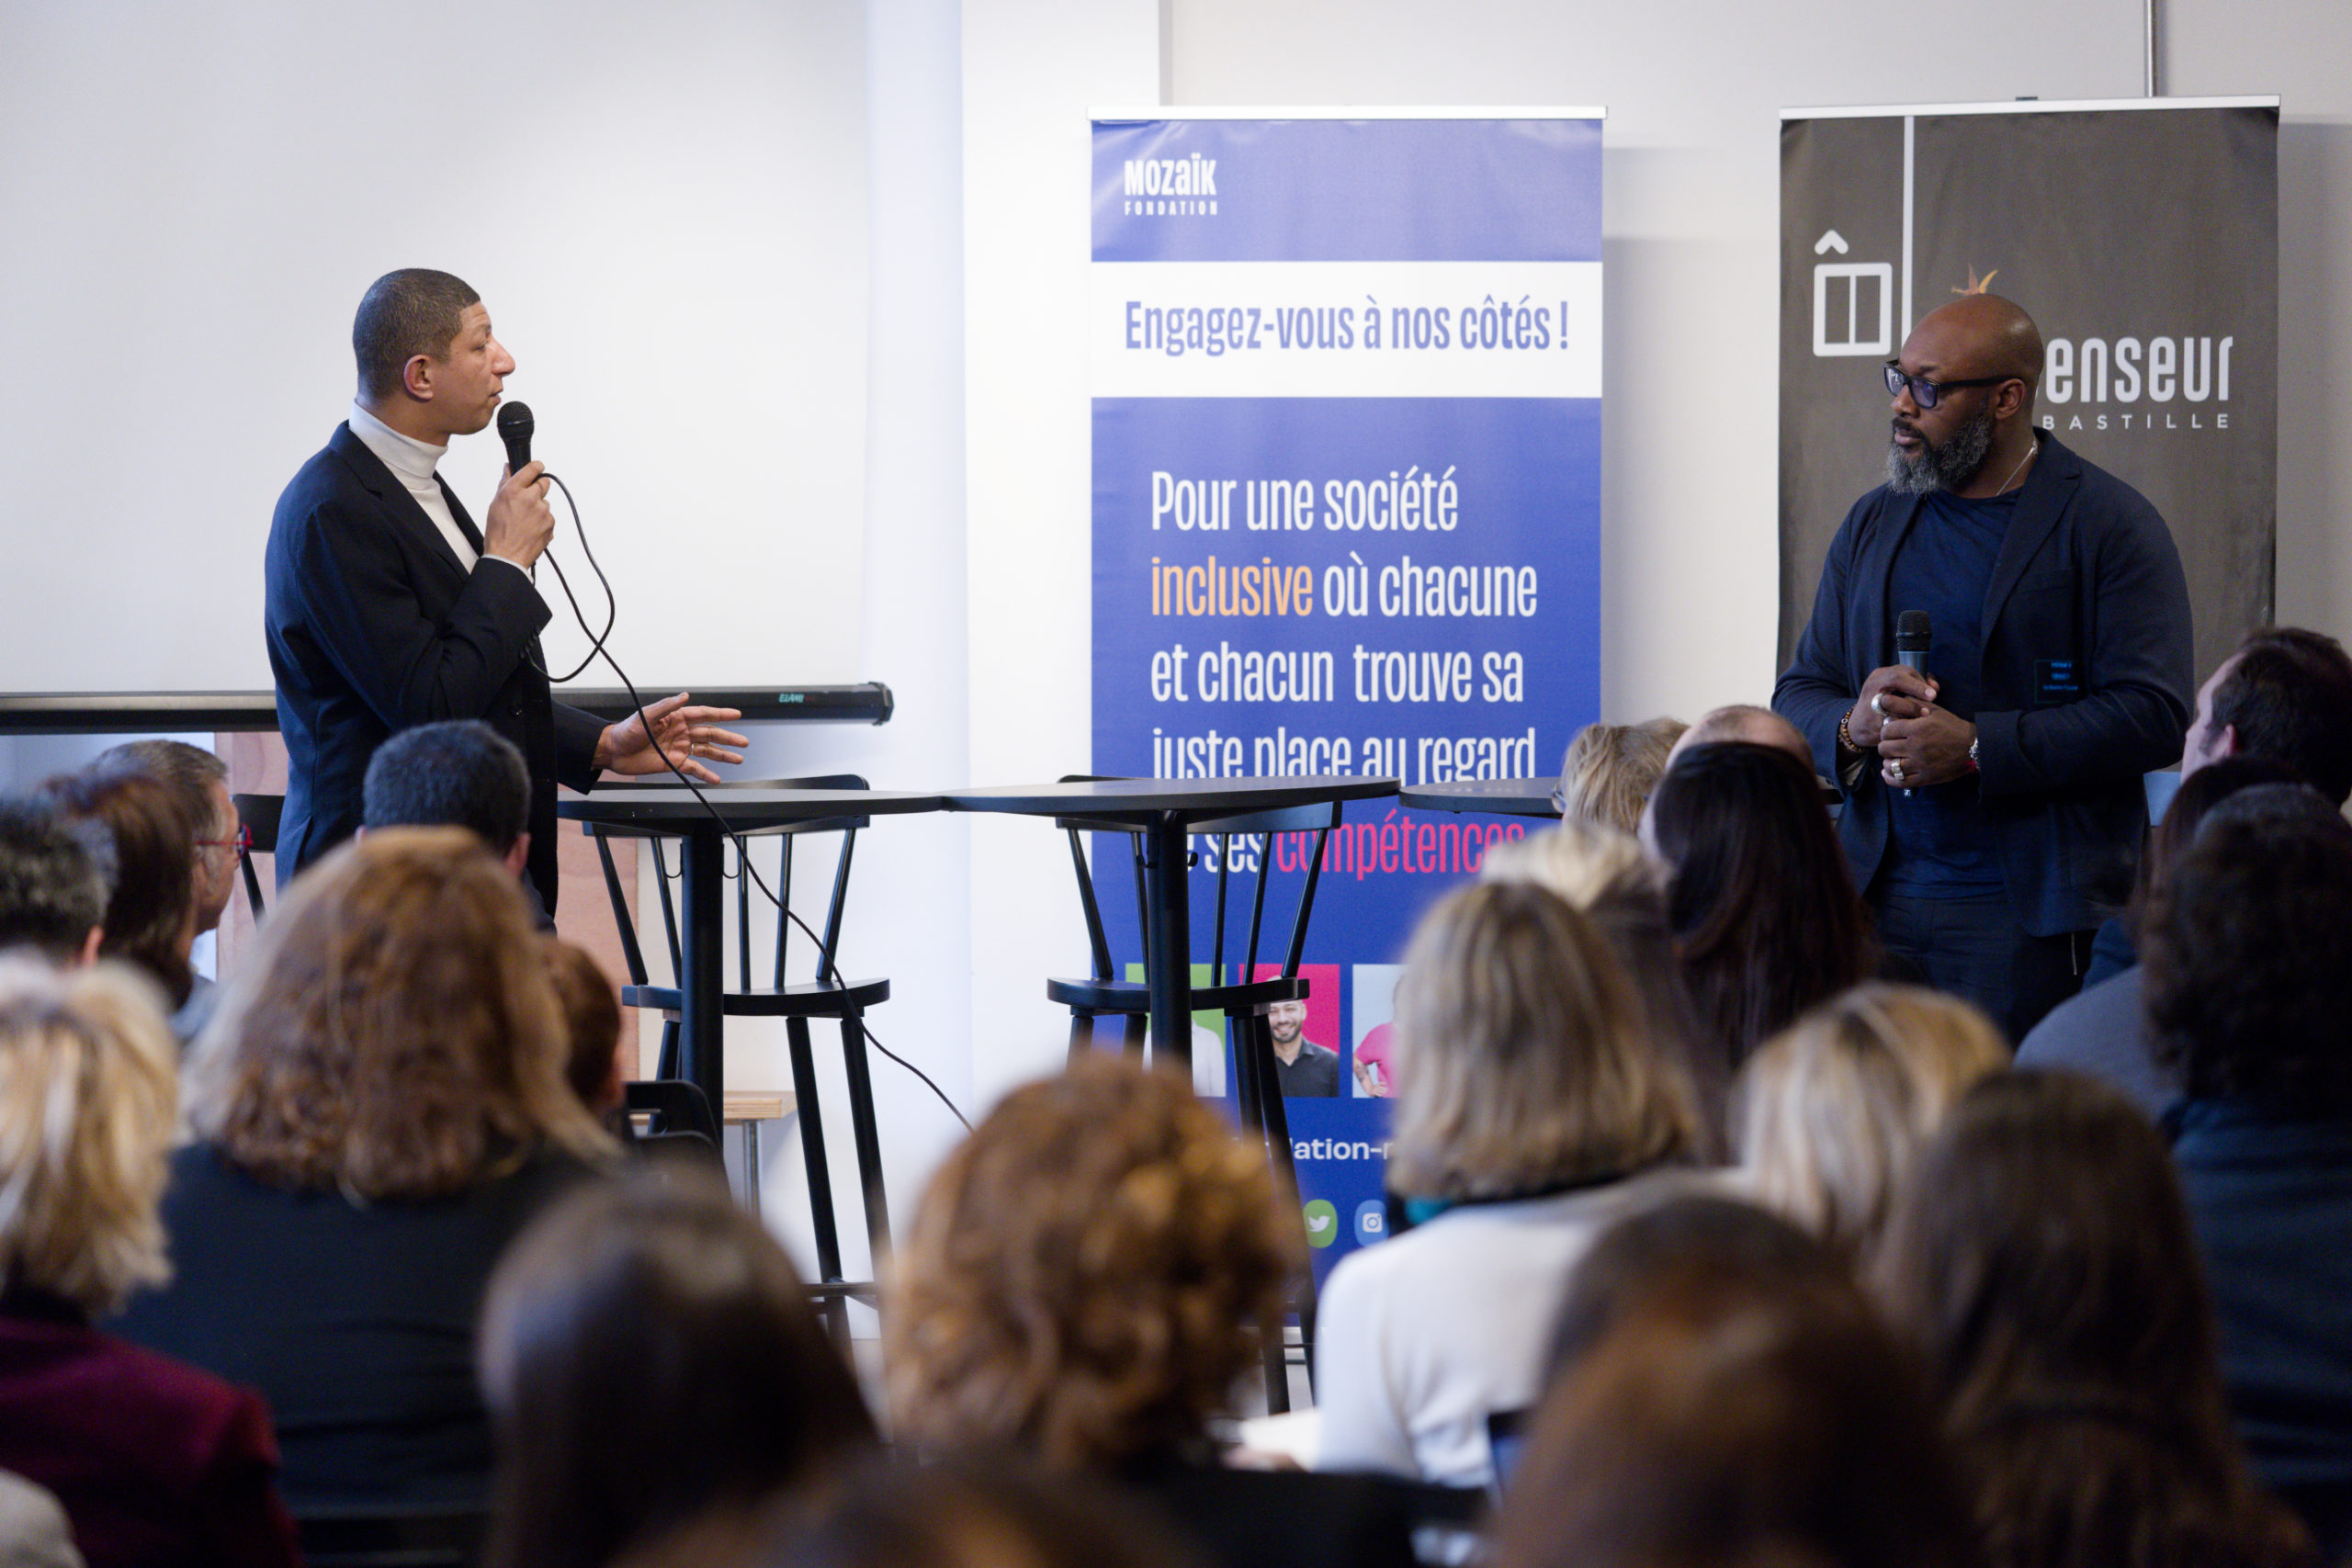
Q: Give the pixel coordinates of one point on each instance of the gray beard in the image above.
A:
(1947, 466)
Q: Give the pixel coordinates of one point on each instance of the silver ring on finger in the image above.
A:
(1875, 700)
(1895, 767)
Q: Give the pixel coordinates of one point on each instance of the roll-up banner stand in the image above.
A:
(1346, 377)
(2142, 235)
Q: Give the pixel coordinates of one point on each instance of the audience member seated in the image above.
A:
(2248, 948)
(2103, 1030)
(1530, 1104)
(199, 782)
(969, 1511)
(1722, 1421)
(379, 1108)
(1762, 907)
(457, 774)
(1745, 724)
(154, 1461)
(2039, 1258)
(1610, 769)
(53, 878)
(1836, 1109)
(1081, 1283)
(597, 1062)
(650, 1358)
(150, 920)
(1604, 876)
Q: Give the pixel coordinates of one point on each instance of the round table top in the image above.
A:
(1504, 797)
(742, 807)
(1186, 797)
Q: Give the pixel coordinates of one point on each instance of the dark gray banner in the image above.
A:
(2145, 244)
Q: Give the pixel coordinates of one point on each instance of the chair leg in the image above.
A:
(1081, 1035)
(820, 1187)
(1253, 1066)
(1138, 1025)
(868, 1138)
(665, 1065)
(1277, 1128)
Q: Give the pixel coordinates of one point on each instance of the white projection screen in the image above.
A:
(664, 208)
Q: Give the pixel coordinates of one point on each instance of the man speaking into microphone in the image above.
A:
(1989, 789)
(386, 607)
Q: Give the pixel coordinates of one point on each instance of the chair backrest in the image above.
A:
(632, 952)
(260, 815)
(1098, 944)
(387, 1537)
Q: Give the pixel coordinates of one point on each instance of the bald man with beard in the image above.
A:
(1987, 793)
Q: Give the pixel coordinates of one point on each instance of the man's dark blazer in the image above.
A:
(375, 627)
(2086, 677)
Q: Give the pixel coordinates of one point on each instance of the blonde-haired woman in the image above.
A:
(154, 1461)
(1832, 1112)
(379, 1108)
(1609, 769)
(1605, 875)
(1529, 1097)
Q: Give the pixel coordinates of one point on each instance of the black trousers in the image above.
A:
(1974, 949)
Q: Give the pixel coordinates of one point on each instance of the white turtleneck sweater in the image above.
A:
(411, 462)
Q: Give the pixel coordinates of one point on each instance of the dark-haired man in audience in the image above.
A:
(1985, 792)
(53, 876)
(201, 781)
(2249, 966)
(457, 774)
(386, 607)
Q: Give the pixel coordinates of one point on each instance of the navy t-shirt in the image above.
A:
(1938, 844)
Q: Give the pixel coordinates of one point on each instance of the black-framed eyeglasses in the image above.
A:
(242, 843)
(1927, 394)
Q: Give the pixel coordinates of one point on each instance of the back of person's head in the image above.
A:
(1834, 1110)
(54, 877)
(2199, 793)
(150, 909)
(393, 1033)
(1749, 724)
(2287, 696)
(1683, 1246)
(592, 1023)
(647, 1353)
(1718, 1426)
(1758, 893)
(457, 774)
(2248, 953)
(414, 310)
(1604, 876)
(2041, 1257)
(1522, 1053)
(1080, 1273)
(1610, 769)
(88, 1089)
(199, 780)
(971, 1510)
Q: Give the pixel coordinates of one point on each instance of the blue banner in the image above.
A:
(1346, 504)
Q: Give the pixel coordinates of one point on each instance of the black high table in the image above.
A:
(1501, 797)
(702, 946)
(1163, 811)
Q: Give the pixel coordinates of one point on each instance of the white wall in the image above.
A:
(662, 207)
(1032, 72)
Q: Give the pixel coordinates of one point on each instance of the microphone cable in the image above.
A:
(742, 854)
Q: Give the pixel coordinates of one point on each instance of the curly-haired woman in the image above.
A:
(380, 1106)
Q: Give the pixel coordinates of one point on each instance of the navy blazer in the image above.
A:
(2086, 677)
(374, 627)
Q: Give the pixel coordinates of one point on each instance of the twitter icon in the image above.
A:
(1322, 1223)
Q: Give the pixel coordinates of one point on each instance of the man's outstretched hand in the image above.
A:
(689, 735)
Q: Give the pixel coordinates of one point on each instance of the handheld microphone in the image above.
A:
(1913, 636)
(1913, 639)
(514, 429)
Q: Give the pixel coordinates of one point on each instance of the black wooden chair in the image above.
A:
(260, 813)
(826, 996)
(1245, 1001)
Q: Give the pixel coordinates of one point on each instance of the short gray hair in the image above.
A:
(188, 771)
